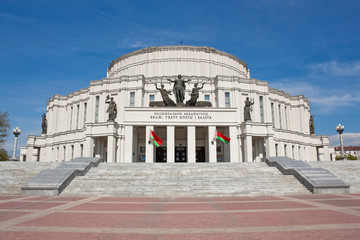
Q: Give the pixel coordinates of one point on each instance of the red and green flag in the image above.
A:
(156, 139)
(222, 137)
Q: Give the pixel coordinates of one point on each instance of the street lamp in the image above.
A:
(16, 133)
(340, 130)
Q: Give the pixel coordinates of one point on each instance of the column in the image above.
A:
(50, 156)
(234, 150)
(191, 144)
(170, 144)
(30, 154)
(128, 144)
(111, 148)
(326, 153)
(149, 151)
(212, 144)
(119, 150)
(296, 152)
(248, 148)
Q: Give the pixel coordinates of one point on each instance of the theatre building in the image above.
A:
(114, 117)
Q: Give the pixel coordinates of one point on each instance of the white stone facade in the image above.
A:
(78, 123)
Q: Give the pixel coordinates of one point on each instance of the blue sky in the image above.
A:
(301, 47)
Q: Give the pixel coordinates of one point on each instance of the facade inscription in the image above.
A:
(181, 116)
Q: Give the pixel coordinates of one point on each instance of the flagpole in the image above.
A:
(149, 136)
(212, 142)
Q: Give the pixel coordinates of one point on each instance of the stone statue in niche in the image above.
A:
(44, 124)
(112, 109)
(247, 109)
(311, 124)
(165, 96)
(179, 89)
(194, 95)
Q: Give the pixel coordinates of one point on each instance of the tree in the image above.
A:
(3, 155)
(4, 127)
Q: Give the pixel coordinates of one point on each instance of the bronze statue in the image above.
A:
(194, 95)
(247, 109)
(112, 110)
(44, 124)
(311, 124)
(179, 89)
(165, 96)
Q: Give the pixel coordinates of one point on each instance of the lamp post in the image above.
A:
(16, 133)
(340, 130)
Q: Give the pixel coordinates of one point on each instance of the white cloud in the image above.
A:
(337, 69)
(296, 87)
(350, 139)
(148, 38)
(324, 98)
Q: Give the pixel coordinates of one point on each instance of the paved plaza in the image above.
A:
(335, 216)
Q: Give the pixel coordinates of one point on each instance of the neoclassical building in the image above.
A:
(78, 124)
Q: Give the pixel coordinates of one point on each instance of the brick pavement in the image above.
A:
(335, 216)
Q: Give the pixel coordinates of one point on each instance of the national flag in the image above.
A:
(157, 140)
(222, 137)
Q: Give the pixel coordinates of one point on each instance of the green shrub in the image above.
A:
(348, 156)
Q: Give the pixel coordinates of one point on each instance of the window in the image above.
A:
(227, 99)
(207, 98)
(85, 109)
(81, 150)
(261, 99)
(72, 152)
(97, 109)
(286, 124)
(152, 98)
(132, 99)
(71, 116)
(272, 114)
(77, 115)
(142, 150)
(280, 116)
(219, 154)
(276, 149)
(285, 152)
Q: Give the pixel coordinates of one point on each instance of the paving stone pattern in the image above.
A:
(177, 180)
(295, 217)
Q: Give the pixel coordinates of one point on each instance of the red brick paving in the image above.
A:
(317, 217)
(342, 203)
(29, 205)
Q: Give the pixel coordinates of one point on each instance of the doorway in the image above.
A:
(200, 154)
(161, 155)
(180, 154)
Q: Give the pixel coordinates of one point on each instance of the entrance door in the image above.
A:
(180, 154)
(161, 154)
(200, 154)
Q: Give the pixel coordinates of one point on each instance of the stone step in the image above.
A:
(349, 171)
(225, 179)
(14, 174)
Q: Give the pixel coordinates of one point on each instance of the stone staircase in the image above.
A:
(15, 174)
(184, 180)
(348, 171)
